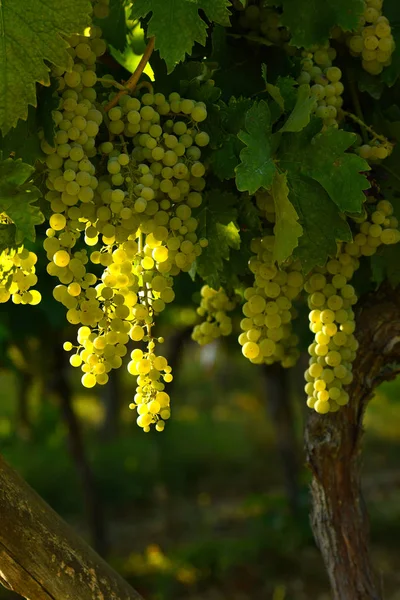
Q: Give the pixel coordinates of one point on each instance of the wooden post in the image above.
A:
(41, 558)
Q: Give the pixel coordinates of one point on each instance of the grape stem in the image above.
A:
(145, 84)
(111, 82)
(356, 103)
(130, 85)
(375, 136)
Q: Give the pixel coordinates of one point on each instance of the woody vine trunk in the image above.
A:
(339, 519)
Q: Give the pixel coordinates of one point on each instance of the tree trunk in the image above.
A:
(339, 519)
(280, 410)
(41, 558)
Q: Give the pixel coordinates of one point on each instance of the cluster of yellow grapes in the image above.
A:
(214, 306)
(268, 312)
(330, 299)
(138, 213)
(373, 41)
(375, 150)
(325, 81)
(17, 276)
(263, 21)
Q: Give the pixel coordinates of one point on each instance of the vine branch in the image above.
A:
(376, 136)
(134, 78)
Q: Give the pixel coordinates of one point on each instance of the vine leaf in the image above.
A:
(311, 21)
(7, 236)
(323, 157)
(321, 222)
(114, 26)
(257, 167)
(17, 195)
(301, 114)
(177, 25)
(216, 219)
(287, 229)
(31, 33)
(225, 157)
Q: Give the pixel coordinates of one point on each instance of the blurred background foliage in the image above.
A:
(214, 508)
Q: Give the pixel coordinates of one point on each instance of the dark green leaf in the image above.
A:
(323, 158)
(310, 21)
(320, 219)
(17, 197)
(257, 167)
(178, 25)
(216, 218)
(114, 26)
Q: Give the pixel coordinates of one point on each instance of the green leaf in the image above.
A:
(225, 157)
(320, 219)
(7, 237)
(216, 219)
(310, 21)
(30, 34)
(17, 195)
(392, 72)
(323, 157)
(287, 230)
(301, 114)
(257, 167)
(386, 265)
(114, 26)
(249, 215)
(177, 25)
(48, 100)
(23, 141)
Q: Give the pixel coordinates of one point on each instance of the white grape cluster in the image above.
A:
(266, 205)
(264, 21)
(330, 300)
(373, 41)
(268, 311)
(17, 276)
(138, 213)
(214, 306)
(375, 150)
(325, 81)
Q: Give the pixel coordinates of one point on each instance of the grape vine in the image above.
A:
(262, 199)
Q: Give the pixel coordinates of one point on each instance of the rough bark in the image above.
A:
(41, 558)
(280, 410)
(339, 519)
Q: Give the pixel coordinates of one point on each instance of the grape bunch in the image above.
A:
(133, 206)
(17, 276)
(373, 41)
(268, 311)
(264, 21)
(214, 306)
(325, 81)
(375, 150)
(330, 300)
